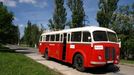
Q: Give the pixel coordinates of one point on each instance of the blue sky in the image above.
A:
(40, 11)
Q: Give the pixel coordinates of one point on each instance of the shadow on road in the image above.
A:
(7, 50)
(20, 49)
(23, 50)
(16, 50)
(60, 62)
(100, 70)
(103, 70)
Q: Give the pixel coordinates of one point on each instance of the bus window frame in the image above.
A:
(81, 37)
(90, 36)
(56, 38)
(68, 39)
(61, 37)
(43, 38)
(106, 36)
(40, 40)
(75, 41)
(50, 40)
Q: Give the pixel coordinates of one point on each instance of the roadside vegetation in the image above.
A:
(127, 61)
(12, 63)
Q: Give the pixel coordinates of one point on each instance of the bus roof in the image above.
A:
(87, 28)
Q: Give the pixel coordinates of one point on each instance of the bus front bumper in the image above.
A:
(101, 63)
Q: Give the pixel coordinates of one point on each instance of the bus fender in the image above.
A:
(82, 53)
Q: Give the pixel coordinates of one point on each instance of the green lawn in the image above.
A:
(12, 63)
(127, 61)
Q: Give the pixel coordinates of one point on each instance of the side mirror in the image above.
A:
(119, 41)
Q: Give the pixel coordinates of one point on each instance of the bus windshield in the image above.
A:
(104, 36)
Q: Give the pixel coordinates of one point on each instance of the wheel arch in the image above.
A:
(46, 48)
(82, 54)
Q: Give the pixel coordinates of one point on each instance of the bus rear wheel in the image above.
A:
(46, 54)
(79, 62)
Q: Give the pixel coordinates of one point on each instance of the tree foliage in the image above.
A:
(9, 33)
(32, 33)
(123, 24)
(51, 24)
(78, 13)
(107, 8)
(27, 34)
(59, 17)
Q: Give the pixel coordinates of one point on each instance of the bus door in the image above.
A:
(64, 46)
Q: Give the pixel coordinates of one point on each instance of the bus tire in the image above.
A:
(78, 62)
(46, 54)
(112, 68)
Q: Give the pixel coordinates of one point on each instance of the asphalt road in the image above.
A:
(67, 69)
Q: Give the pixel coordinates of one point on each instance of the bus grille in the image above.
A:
(109, 53)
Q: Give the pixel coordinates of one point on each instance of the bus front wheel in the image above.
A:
(79, 62)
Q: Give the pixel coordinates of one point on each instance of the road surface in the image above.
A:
(67, 69)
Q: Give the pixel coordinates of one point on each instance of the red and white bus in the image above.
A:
(83, 47)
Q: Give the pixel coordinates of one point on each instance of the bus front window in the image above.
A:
(104, 36)
(112, 37)
(100, 36)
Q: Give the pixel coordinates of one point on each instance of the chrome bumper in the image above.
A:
(101, 63)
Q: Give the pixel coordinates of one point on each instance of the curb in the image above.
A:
(131, 65)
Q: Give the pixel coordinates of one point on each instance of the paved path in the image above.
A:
(67, 69)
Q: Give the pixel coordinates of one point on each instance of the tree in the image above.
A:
(27, 34)
(59, 17)
(107, 8)
(8, 31)
(123, 24)
(14, 35)
(31, 34)
(78, 13)
(18, 34)
(35, 33)
(51, 24)
(41, 29)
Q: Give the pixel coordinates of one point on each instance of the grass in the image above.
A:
(12, 63)
(127, 61)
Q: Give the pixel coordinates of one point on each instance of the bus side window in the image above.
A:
(52, 37)
(86, 36)
(76, 36)
(47, 37)
(57, 37)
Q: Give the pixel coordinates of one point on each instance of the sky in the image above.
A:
(40, 11)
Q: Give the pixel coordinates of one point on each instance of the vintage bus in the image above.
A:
(83, 47)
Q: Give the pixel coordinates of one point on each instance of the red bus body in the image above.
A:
(93, 57)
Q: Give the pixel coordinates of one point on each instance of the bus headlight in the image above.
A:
(98, 47)
(99, 57)
(40, 43)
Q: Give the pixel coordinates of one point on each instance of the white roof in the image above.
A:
(87, 28)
